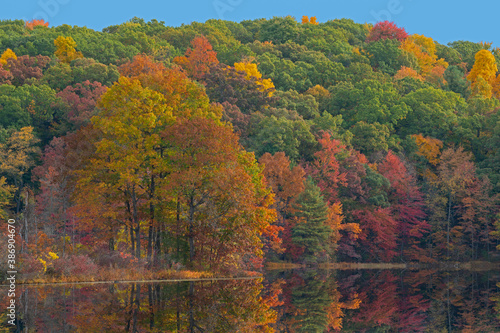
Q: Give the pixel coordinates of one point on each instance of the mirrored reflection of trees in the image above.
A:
(293, 301)
(387, 301)
(206, 306)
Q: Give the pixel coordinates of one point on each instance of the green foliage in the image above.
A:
(433, 112)
(369, 101)
(305, 105)
(291, 136)
(311, 232)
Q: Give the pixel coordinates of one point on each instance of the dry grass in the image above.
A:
(282, 265)
(120, 274)
(353, 265)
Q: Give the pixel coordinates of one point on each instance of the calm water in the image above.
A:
(290, 301)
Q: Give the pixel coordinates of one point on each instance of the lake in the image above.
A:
(283, 301)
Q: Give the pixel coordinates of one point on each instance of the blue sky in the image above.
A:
(444, 21)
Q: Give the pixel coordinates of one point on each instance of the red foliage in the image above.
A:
(386, 30)
(198, 60)
(325, 169)
(407, 205)
(81, 100)
(33, 23)
(26, 67)
(5, 76)
(379, 232)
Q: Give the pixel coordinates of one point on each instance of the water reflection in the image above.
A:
(290, 301)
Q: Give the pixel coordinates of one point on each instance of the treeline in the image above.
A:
(199, 145)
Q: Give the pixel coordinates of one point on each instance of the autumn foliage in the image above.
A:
(386, 30)
(34, 23)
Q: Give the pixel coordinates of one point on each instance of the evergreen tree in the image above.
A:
(311, 232)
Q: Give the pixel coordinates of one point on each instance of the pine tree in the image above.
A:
(311, 232)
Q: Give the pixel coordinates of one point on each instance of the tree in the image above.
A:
(266, 85)
(36, 23)
(455, 176)
(386, 30)
(287, 183)
(81, 101)
(126, 160)
(65, 49)
(483, 73)
(26, 67)
(407, 206)
(18, 156)
(223, 203)
(6, 194)
(311, 233)
(6, 55)
(198, 60)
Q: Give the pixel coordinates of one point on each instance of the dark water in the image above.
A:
(290, 301)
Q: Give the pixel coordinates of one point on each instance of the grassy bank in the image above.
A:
(123, 274)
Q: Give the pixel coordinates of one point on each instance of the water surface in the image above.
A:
(284, 301)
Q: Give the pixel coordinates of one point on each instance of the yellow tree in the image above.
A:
(17, 157)
(424, 49)
(6, 193)
(253, 73)
(305, 19)
(483, 74)
(65, 49)
(8, 54)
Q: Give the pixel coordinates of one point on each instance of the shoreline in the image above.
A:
(187, 276)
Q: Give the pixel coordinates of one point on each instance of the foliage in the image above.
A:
(386, 30)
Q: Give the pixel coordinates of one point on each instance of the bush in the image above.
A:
(75, 265)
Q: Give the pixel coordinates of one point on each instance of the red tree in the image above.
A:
(386, 30)
(407, 204)
(198, 60)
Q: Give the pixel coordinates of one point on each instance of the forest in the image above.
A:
(221, 146)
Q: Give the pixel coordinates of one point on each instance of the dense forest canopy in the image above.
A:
(211, 144)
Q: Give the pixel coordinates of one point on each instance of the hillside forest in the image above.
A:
(219, 146)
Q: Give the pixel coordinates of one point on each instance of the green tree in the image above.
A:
(311, 232)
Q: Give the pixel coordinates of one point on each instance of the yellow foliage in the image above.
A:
(483, 74)
(424, 49)
(6, 193)
(428, 147)
(8, 54)
(407, 71)
(44, 264)
(65, 49)
(318, 92)
(436, 76)
(53, 255)
(305, 19)
(252, 72)
(313, 21)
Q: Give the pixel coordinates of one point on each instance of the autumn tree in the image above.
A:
(36, 23)
(65, 49)
(407, 205)
(81, 101)
(6, 194)
(215, 181)
(483, 73)
(386, 30)
(287, 183)
(266, 85)
(6, 55)
(126, 152)
(455, 176)
(18, 156)
(25, 67)
(198, 59)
